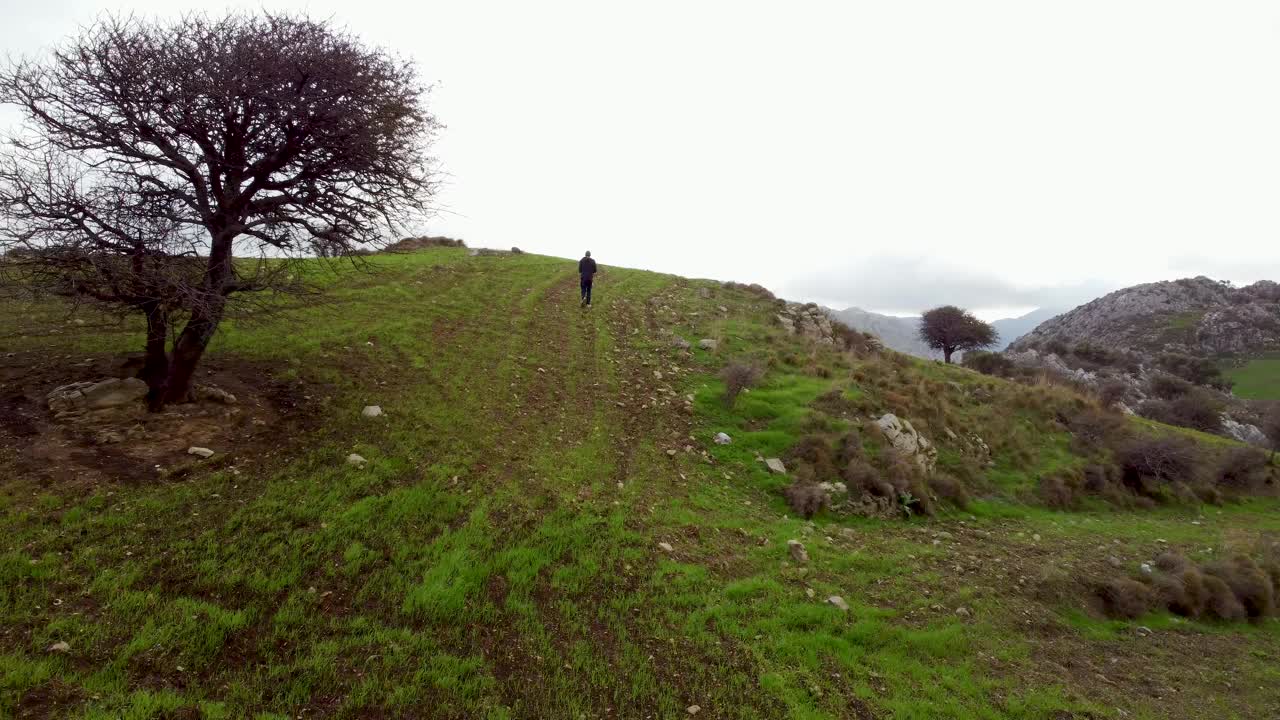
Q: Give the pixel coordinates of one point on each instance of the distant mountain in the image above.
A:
(1011, 329)
(897, 333)
(1193, 316)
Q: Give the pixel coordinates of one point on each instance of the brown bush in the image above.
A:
(1092, 429)
(1112, 392)
(1198, 409)
(1057, 493)
(1252, 588)
(1222, 602)
(1242, 468)
(949, 488)
(1125, 598)
(860, 475)
(737, 377)
(805, 498)
(849, 448)
(1147, 460)
(814, 451)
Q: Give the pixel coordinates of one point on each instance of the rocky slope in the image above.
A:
(1193, 316)
(1011, 329)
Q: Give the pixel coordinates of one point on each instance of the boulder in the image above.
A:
(908, 442)
(357, 460)
(775, 466)
(199, 451)
(371, 411)
(723, 439)
(838, 602)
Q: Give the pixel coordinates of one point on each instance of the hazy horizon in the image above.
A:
(1001, 156)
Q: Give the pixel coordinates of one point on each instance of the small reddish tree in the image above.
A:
(949, 328)
(158, 157)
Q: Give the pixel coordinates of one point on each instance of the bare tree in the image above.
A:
(949, 328)
(165, 169)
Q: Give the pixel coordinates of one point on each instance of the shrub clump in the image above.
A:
(737, 377)
(1234, 589)
(1242, 468)
(1148, 462)
(806, 498)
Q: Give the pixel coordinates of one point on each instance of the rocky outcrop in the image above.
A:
(1196, 316)
(907, 442)
(808, 321)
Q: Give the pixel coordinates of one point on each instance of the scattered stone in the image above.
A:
(680, 343)
(693, 709)
(357, 460)
(723, 309)
(202, 452)
(666, 547)
(838, 602)
(1142, 630)
(1035, 537)
(723, 439)
(371, 411)
(798, 553)
(60, 647)
(708, 344)
(216, 394)
(964, 612)
(775, 466)
(1115, 562)
(1146, 568)
(809, 592)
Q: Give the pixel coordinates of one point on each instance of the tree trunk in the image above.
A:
(205, 315)
(946, 354)
(155, 369)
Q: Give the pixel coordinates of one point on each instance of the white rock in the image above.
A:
(838, 602)
(693, 709)
(666, 547)
(357, 460)
(908, 442)
(723, 439)
(708, 344)
(775, 466)
(60, 647)
(798, 553)
(202, 452)
(371, 411)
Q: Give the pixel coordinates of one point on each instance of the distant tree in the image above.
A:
(949, 328)
(168, 169)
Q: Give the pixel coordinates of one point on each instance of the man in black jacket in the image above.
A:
(586, 271)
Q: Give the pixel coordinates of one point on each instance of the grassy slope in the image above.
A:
(1256, 379)
(498, 557)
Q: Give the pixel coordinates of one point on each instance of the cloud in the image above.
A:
(914, 284)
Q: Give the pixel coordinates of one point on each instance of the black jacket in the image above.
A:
(586, 268)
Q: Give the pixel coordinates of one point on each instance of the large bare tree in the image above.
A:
(169, 168)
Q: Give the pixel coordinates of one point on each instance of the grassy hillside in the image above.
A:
(1256, 378)
(545, 529)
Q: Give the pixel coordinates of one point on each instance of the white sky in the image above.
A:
(892, 155)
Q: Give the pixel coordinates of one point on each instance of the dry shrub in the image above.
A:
(1093, 429)
(948, 488)
(850, 340)
(1242, 468)
(1057, 493)
(859, 474)
(813, 450)
(737, 377)
(849, 448)
(1112, 392)
(1125, 598)
(1147, 460)
(1222, 603)
(1198, 409)
(1097, 478)
(1248, 583)
(805, 498)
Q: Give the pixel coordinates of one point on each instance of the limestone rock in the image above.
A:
(908, 442)
(108, 393)
(371, 411)
(357, 460)
(199, 451)
(60, 647)
(775, 466)
(798, 553)
(215, 394)
(708, 344)
(723, 439)
(838, 602)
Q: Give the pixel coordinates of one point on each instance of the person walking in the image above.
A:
(587, 272)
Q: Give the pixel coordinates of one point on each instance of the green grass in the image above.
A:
(499, 555)
(1256, 378)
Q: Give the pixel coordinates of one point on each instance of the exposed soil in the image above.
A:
(128, 444)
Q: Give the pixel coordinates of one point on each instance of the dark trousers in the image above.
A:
(586, 289)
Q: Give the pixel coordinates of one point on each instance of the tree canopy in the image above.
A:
(950, 329)
(168, 168)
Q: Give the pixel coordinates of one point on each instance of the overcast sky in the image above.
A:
(890, 155)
